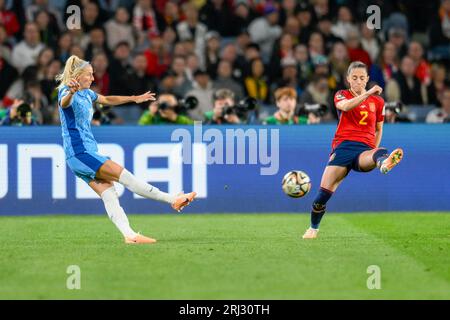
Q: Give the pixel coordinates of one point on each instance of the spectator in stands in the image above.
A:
(339, 62)
(26, 52)
(49, 32)
(164, 111)
(203, 91)
(64, 44)
(77, 51)
(344, 25)
(158, 59)
(325, 27)
(167, 84)
(242, 17)
(169, 37)
(102, 78)
(284, 47)
(44, 58)
(256, 85)
(8, 74)
(292, 27)
(170, 17)
(289, 76)
(97, 44)
(229, 53)
(41, 109)
(91, 18)
(48, 83)
(316, 45)
(286, 102)
(369, 42)
(355, 50)
(405, 87)
(386, 66)
(441, 115)
(287, 10)
(9, 20)
(178, 67)
(216, 15)
(225, 81)
(318, 92)
(118, 29)
(438, 85)
(138, 80)
(305, 17)
(55, 16)
(423, 68)
(321, 8)
(144, 19)
(120, 70)
(192, 29)
(398, 37)
(192, 65)
(5, 45)
(265, 31)
(212, 53)
(440, 32)
(304, 65)
(223, 100)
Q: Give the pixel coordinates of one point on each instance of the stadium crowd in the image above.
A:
(225, 61)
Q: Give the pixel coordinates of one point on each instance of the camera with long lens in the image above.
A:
(183, 105)
(318, 109)
(103, 114)
(241, 109)
(23, 114)
(395, 107)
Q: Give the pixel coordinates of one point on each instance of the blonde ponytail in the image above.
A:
(74, 66)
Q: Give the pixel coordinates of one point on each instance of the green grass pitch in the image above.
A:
(227, 256)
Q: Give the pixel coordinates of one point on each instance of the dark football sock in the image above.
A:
(319, 206)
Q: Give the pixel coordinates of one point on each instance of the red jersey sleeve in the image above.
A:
(339, 96)
(380, 109)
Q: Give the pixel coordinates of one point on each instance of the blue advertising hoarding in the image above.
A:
(234, 169)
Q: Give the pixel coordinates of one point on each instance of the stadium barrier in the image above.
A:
(34, 178)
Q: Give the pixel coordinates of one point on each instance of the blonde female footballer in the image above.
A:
(75, 103)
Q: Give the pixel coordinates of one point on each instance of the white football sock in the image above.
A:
(116, 213)
(143, 189)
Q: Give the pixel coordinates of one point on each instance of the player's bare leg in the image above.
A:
(370, 159)
(111, 171)
(107, 192)
(331, 179)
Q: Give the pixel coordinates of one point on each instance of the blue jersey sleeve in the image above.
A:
(93, 95)
(62, 92)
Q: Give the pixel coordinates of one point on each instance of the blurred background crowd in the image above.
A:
(225, 61)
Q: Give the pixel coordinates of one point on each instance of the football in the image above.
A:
(296, 184)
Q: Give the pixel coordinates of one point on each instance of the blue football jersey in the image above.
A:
(76, 122)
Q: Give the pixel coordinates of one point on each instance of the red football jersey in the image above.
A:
(358, 124)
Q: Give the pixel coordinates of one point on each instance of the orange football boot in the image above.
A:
(182, 200)
(390, 162)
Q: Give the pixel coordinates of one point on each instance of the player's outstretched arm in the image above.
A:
(346, 105)
(74, 86)
(117, 100)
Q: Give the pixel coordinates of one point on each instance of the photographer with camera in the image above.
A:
(168, 110)
(227, 111)
(442, 114)
(286, 100)
(393, 113)
(19, 114)
(315, 102)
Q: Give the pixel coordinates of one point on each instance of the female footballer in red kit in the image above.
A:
(356, 141)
